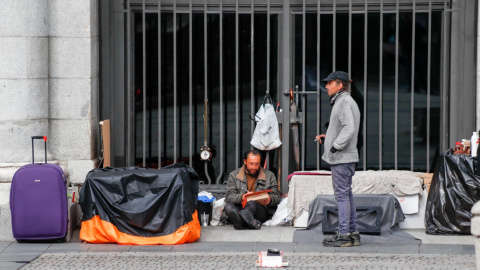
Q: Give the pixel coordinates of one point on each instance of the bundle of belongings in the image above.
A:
(140, 206)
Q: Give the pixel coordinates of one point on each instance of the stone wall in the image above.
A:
(49, 84)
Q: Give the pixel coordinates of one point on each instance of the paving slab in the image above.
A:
(25, 248)
(440, 249)
(233, 247)
(364, 248)
(312, 248)
(67, 247)
(399, 248)
(468, 249)
(228, 234)
(17, 257)
(4, 245)
(11, 265)
(194, 247)
(264, 246)
(151, 248)
(107, 247)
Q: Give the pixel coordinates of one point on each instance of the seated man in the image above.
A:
(251, 177)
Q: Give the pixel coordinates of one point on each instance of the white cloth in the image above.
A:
(303, 189)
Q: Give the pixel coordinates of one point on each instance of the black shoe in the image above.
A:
(234, 217)
(338, 240)
(355, 238)
(251, 222)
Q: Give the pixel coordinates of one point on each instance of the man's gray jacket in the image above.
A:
(237, 186)
(342, 131)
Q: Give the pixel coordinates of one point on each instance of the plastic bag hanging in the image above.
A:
(265, 136)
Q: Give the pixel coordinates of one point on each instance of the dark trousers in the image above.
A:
(342, 186)
(258, 211)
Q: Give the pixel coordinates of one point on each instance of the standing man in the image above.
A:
(341, 153)
(251, 177)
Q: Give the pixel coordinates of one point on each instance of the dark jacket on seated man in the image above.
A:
(250, 178)
(237, 185)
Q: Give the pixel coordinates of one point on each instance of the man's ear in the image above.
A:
(245, 161)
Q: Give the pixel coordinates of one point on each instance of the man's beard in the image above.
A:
(248, 172)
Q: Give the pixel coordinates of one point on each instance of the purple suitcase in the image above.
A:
(38, 201)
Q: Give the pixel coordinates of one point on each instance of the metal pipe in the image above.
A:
(286, 84)
(237, 105)
(444, 88)
(365, 88)
(349, 38)
(334, 47)
(190, 84)
(222, 129)
(268, 47)
(380, 91)
(412, 87)
(144, 86)
(175, 94)
(205, 57)
(319, 115)
(397, 37)
(130, 96)
(159, 84)
(304, 33)
(252, 69)
(429, 67)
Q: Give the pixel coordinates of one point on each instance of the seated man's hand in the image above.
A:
(243, 196)
(266, 201)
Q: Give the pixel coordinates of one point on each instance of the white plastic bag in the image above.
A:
(218, 209)
(265, 136)
(280, 218)
(206, 194)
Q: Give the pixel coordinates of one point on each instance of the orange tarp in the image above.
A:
(99, 231)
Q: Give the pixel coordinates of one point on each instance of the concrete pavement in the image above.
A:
(224, 248)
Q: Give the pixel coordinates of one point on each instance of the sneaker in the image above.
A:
(355, 238)
(338, 240)
(234, 217)
(251, 222)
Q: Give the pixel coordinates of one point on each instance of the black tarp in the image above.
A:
(139, 201)
(454, 190)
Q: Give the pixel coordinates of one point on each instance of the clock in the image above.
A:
(205, 155)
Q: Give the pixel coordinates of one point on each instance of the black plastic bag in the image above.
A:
(454, 190)
(139, 201)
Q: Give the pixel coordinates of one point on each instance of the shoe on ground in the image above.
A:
(355, 238)
(251, 222)
(338, 240)
(234, 217)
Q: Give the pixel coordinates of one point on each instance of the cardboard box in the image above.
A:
(409, 203)
(105, 126)
(427, 180)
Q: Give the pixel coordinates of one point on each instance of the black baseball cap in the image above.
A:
(337, 75)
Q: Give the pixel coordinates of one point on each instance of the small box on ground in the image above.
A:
(427, 180)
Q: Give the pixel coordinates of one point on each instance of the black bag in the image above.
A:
(454, 190)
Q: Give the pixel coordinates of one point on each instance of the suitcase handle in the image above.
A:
(33, 151)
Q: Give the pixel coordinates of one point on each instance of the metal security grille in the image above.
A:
(166, 58)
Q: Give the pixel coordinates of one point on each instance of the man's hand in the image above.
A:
(244, 195)
(320, 138)
(266, 201)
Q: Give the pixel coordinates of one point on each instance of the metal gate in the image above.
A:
(162, 62)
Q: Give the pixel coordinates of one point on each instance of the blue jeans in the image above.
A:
(342, 186)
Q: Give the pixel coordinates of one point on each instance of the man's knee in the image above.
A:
(229, 207)
(342, 196)
(252, 204)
